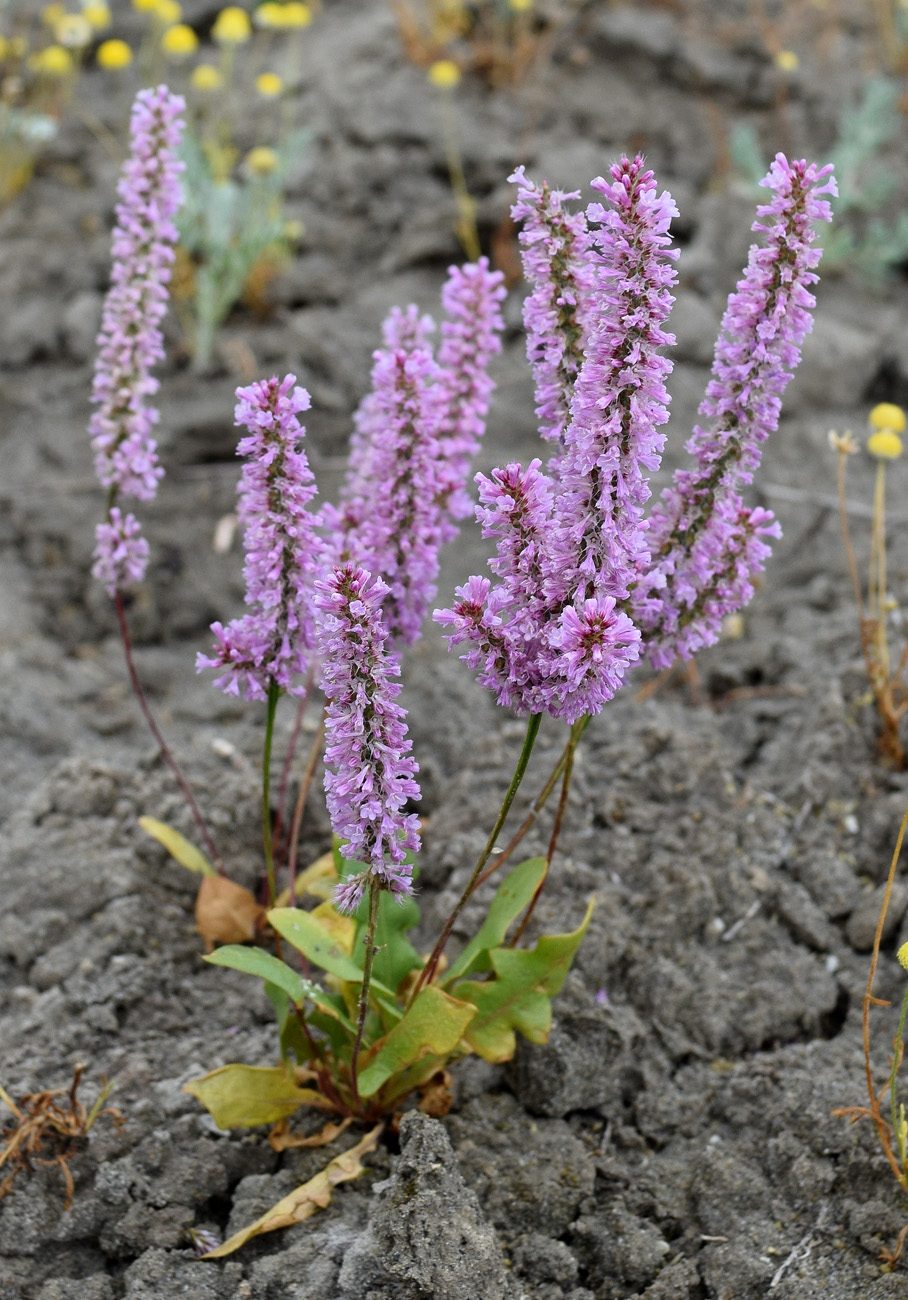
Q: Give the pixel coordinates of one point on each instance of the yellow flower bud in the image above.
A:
(73, 31)
(168, 12)
(145, 6)
(787, 60)
(886, 415)
(902, 956)
(269, 84)
(296, 15)
(4, 48)
(179, 41)
(444, 74)
(98, 14)
(55, 61)
(206, 77)
(269, 14)
(261, 160)
(885, 445)
(520, 6)
(113, 55)
(232, 26)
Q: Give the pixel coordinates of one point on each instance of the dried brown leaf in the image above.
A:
(226, 912)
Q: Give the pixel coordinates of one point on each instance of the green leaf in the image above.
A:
(433, 1025)
(177, 846)
(255, 961)
(514, 894)
(519, 996)
(243, 1096)
(314, 942)
(292, 1037)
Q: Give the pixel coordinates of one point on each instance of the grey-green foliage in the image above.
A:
(225, 226)
(865, 236)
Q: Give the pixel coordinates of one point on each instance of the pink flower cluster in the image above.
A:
(582, 582)
(275, 640)
(550, 635)
(369, 770)
(415, 435)
(585, 582)
(130, 340)
(707, 545)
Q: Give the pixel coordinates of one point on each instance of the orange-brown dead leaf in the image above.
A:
(226, 912)
(435, 1095)
(282, 1139)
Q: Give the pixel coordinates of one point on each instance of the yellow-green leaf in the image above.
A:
(318, 879)
(340, 927)
(302, 1203)
(519, 996)
(434, 1025)
(243, 1096)
(177, 846)
(315, 942)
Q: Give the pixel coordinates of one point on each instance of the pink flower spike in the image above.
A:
(130, 341)
(369, 771)
(704, 544)
(470, 337)
(121, 553)
(619, 400)
(275, 641)
(392, 512)
(556, 252)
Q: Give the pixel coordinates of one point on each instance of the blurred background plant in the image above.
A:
(40, 60)
(499, 39)
(865, 238)
(892, 19)
(234, 233)
(879, 613)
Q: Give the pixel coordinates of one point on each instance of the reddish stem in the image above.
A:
(288, 763)
(161, 742)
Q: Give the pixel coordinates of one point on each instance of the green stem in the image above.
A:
(274, 692)
(537, 807)
(577, 730)
(368, 963)
(428, 971)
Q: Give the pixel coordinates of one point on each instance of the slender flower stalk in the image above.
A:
(706, 545)
(369, 770)
(557, 262)
(274, 642)
(130, 341)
